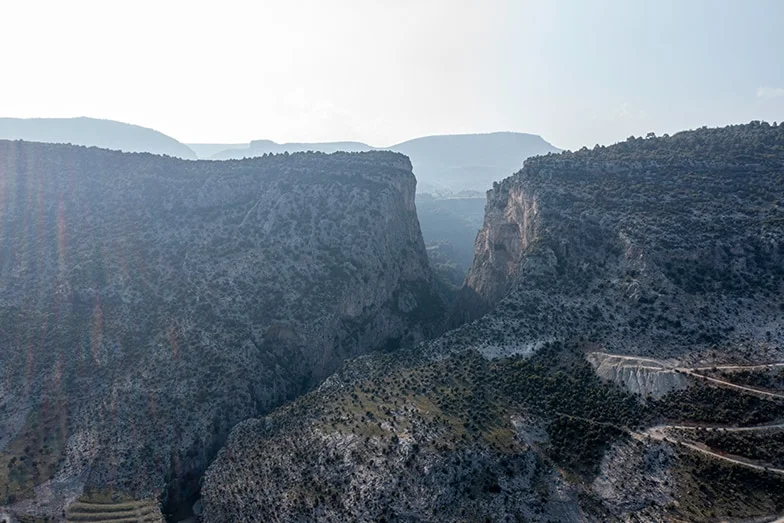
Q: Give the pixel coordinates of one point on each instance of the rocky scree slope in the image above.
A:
(665, 246)
(148, 304)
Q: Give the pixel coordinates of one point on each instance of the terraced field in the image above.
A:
(123, 512)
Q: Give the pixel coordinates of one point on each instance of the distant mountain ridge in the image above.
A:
(204, 151)
(92, 132)
(463, 162)
(443, 164)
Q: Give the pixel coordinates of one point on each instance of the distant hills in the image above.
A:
(106, 134)
(205, 151)
(261, 147)
(469, 161)
(444, 164)
(464, 165)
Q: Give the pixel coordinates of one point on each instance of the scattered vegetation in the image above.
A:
(711, 490)
(34, 455)
(770, 379)
(704, 403)
(165, 301)
(658, 246)
(766, 446)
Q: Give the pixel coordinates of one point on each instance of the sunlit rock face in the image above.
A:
(148, 304)
(510, 225)
(639, 375)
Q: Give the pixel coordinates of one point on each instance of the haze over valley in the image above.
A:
(392, 262)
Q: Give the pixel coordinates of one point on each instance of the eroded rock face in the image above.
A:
(641, 376)
(511, 223)
(368, 483)
(645, 247)
(148, 304)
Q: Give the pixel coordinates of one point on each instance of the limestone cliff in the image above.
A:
(148, 304)
(648, 378)
(647, 246)
(510, 225)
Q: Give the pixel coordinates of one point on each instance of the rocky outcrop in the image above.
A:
(646, 247)
(636, 481)
(367, 480)
(149, 304)
(641, 376)
(510, 225)
(366, 449)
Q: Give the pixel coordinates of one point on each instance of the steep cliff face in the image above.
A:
(510, 225)
(148, 304)
(647, 246)
(660, 249)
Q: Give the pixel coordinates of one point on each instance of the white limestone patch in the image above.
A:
(643, 376)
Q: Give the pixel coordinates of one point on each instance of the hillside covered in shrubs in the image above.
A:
(669, 248)
(148, 304)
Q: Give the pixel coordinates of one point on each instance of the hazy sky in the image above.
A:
(577, 72)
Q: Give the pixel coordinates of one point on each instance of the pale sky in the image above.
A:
(576, 72)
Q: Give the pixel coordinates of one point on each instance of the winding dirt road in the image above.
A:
(719, 428)
(723, 383)
(740, 367)
(659, 433)
(658, 365)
